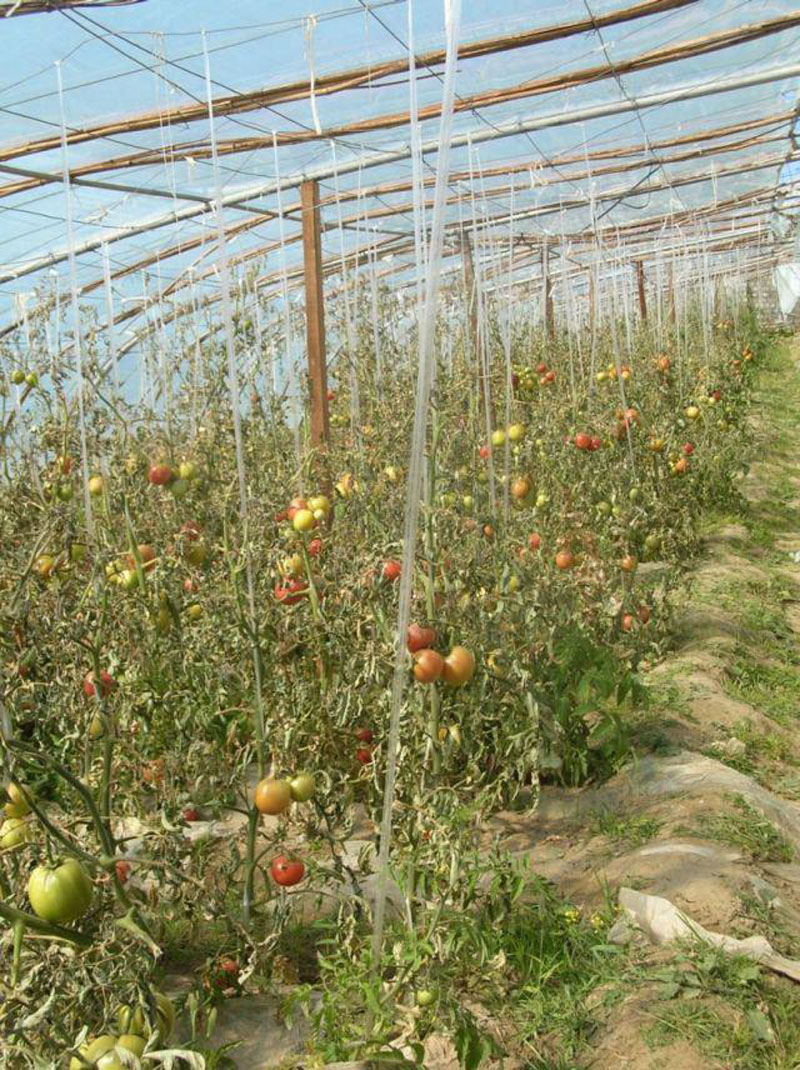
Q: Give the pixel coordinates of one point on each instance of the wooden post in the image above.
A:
(315, 314)
(474, 323)
(549, 321)
(640, 286)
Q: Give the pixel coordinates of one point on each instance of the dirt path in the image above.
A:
(708, 816)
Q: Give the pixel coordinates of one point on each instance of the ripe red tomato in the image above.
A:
(643, 613)
(541, 368)
(459, 666)
(391, 570)
(331, 395)
(514, 380)
(190, 585)
(364, 755)
(688, 449)
(160, 474)
(315, 548)
(680, 466)
(191, 813)
(597, 442)
(364, 735)
(429, 666)
(123, 869)
(627, 622)
(295, 506)
(420, 638)
(565, 559)
(287, 871)
(583, 441)
(534, 541)
(288, 592)
(550, 377)
(107, 684)
(484, 452)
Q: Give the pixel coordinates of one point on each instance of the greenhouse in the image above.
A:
(399, 629)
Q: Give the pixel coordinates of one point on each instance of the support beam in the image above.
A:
(380, 158)
(641, 290)
(315, 314)
(547, 294)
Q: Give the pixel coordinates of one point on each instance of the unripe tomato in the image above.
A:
(19, 801)
(45, 565)
(160, 475)
(498, 438)
(103, 1052)
(96, 486)
(429, 666)
(521, 488)
(287, 871)
(62, 894)
(147, 556)
(459, 666)
(425, 997)
(420, 638)
(273, 796)
(14, 832)
(643, 613)
(302, 787)
(303, 520)
(187, 470)
(516, 433)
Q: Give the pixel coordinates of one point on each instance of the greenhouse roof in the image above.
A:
(640, 128)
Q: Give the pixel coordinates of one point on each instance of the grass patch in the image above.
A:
(631, 831)
(746, 828)
(773, 689)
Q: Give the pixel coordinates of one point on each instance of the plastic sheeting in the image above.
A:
(787, 283)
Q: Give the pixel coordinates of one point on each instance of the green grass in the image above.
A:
(744, 827)
(772, 689)
(631, 831)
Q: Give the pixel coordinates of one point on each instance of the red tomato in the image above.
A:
(550, 377)
(287, 871)
(107, 684)
(391, 570)
(295, 506)
(331, 395)
(191, 813)
(564, 560)
(514, 380)
(148, 558)
(534, 541)
(315, 548)
(160, 474)
(643, 613)
(420, 638)
(364, 735)
(364, 755)
(484, 452)
(597, 443)
(627, 622)
(541, 368)
(289, 592)
(629, 563)
(429, 666)
(583, 441)
(688, 448)
(123, 870)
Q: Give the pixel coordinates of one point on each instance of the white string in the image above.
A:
(414, 485)
(76, 312)
(311, 23)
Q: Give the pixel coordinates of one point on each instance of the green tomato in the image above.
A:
(425, 997)
(134, 1020)
(188, 470)
(32, 379)
(18, 377)
(60, 895)
(634, 494)
(604, 508)
(179, 487)
(129, 579)
(104, 1052)
(302, 787)
(14, 832)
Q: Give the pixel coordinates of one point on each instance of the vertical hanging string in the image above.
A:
(376, 334)
(76, 312)
(418, 199)
(311, 23)
(507, 348)
(292, 386)
(110, 327)
(414, 485)
(197, 354)
(233, 384)
(355, 397)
